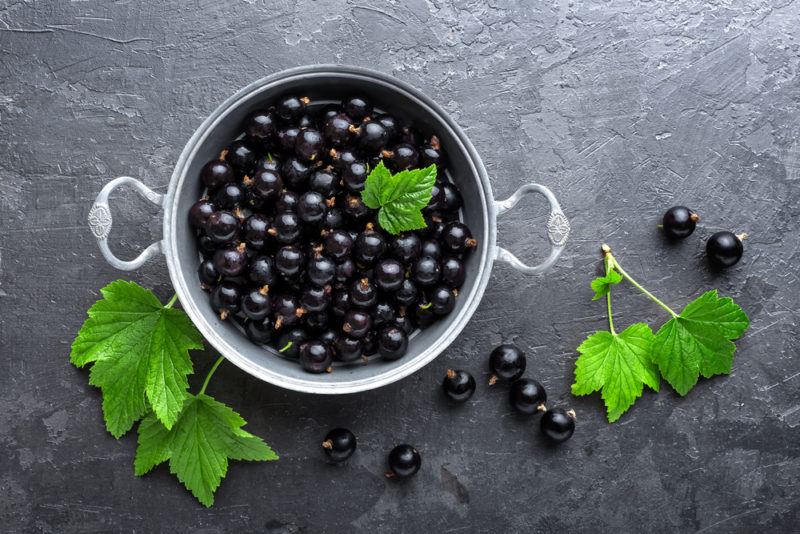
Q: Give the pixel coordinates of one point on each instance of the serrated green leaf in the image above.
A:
(618, 365)
(140, 353)
(602, 285)
(399, 197)
(198, 447)
(699, 341)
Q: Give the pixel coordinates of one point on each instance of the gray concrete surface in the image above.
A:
(623, 108)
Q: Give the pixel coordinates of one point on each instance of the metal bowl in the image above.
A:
(326, 82)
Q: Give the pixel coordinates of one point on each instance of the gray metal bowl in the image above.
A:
(326, 82)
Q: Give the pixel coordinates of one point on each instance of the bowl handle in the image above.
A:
(557, 229)
(100, 222)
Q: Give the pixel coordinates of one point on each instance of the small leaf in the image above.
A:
(399, 197)
(602, 285)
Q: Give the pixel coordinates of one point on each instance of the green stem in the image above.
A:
(638, 286)
(608, 300)
(172, 301)
(210, 373)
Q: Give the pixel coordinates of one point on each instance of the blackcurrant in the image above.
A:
(451, 198)
(363, 294)
(407, 293)
(442, 300)
(206, 245)
(229, 196)
(401, 157)
(321, 270)
(453, 272)
(315, 357)
(356, 323)
(339, 130)
(431, 153)
(326, 335)
(426, 271)
(679, 222)
(392, 343)
(348, 349)
(527, 396)
(261, 271)
(724, 249)
(289, 261)
(373, 136)
(405, 247)
(261, 127)
(456, 238)
(309, 145)
(389, 123)
(354, 176)
(507, 362)
(324, 181)
(458, 385)
(339, 445)
(316, 298)
(342, 158)
(254, 231)
(341, 302)
(333, 219)
(259, 332)
(354, 208)
(268, 163)
(383, 314)
(225, 299)
(287, 311)
(207, 273)
(338, 244)
(404, 323)
(241, 157)
(200, 212)
(287, 201)
(345, 270)
(311, 207)
(357, 107)
(231, 261)
(288, 343)
(256, 304)
(295, 173)
(558, 425)
(287, 137)
(266, 184)
(370, 246)
(404, 461)
(329, 111)
(389, 274)
(286, 227)
(431, 248)
(291, 108)
(217, 172)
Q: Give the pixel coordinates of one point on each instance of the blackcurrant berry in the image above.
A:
(407, 293)
(389, 123)
(321, 270)
(339, 445)
(200, 212)
(241, 157)
(507, 362)
(341, 158)
(338, 244)
(287, 138)
(315, 357)
(225, 299)
(363, 294)
(207, 246)
(231, 261)
(431, 153)
(431, 248)
(309, 145)
(261, 271)
(558, 425)
(442, 300)
(370, 246)
(451, 198)
(345, 270)
(324, 181)
(527, 396)
(261, 127)
(405, 247)
(288, 343)
(453, 272)
(291, 108)
(268, 163)
(259, 332)
(357, 108)
(289, 261)
(389, 274)
(458, 385)
(383, 315)
(426, 271)
(725, 249)
(392, 343)
(329, 111)
(311, 207)
(326, 335)
(339, 130)
(207, 273)
(356, 323)
(295, 173)
(404, 323)
(229, 196)
(679, 222)
(316, 298)
(286, 227)
(373, 136)
(341, 302)
(354, 176)
(287, 311)
(456, 238)
(256, 304)
(217, 172)
(404, 461)
(348, 349)
(255, 230)
(266, 184)
(401, 157)
(333, 219)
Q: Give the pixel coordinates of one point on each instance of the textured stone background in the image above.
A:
(623, 108)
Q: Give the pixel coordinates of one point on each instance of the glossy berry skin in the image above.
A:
(200, 212)
(338, 130)
(261, 271)
(558, 425)
(356, 323)
(363, 294)
(241, 157)
(426, 271)
(291, 108)
(392, 343)
(354, 208)
(453, 272)
(267, 184)
(268, 163)
(389, 123)
(230, 261)
(357, 107)
(404, 461)
(287, 311)
(451, 198)
(724, 249)
(389, 275)
(229, 196)
(354, 176)
(442, 300)
(345, 270)
(295, 173)
(340, 302)
(311, 208)
(405, 247)
(259, 332)
(316, 299)
(287, 201)
(289, 261)
(527, 396)
(507, 362)
(431, 248)
(321, 270)
(348, 349)
(255, 231)
(207, 273)
(342, 158)
(329, 111)
(225, 299)
(326, 335)
(339, 445)
(315, 357)
(216, 172)
(401, 157)
(333, 219)
(373, 136)
(383, 315)
(431, 154)
(338, 244)
(261, 127)
(286, 227)
(256, 304)
(457, 238)
(206, 246)
(679, 222)
(324, 182)
(458, 385)
(407, 293)
(309, 145)
(295, 336)
(370, 246)
(287, 137)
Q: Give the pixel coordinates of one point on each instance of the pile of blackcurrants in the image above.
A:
(291, 252)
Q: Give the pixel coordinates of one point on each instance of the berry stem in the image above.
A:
(172, 301)
(614, 263)
(210, 373)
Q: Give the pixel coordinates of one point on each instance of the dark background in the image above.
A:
(622, 108)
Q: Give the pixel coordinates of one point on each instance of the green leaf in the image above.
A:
(699, 341)
(602, 285)
(619, 365)
(199, 445)
(140, 353)
(399, 197)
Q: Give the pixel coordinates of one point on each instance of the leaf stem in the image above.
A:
(638, 286)
(607, 263)
(210, 373)
(172, 301)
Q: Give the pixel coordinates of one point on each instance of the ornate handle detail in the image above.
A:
(100, 222)
(557, 229)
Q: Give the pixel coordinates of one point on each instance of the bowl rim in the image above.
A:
(219, 342)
